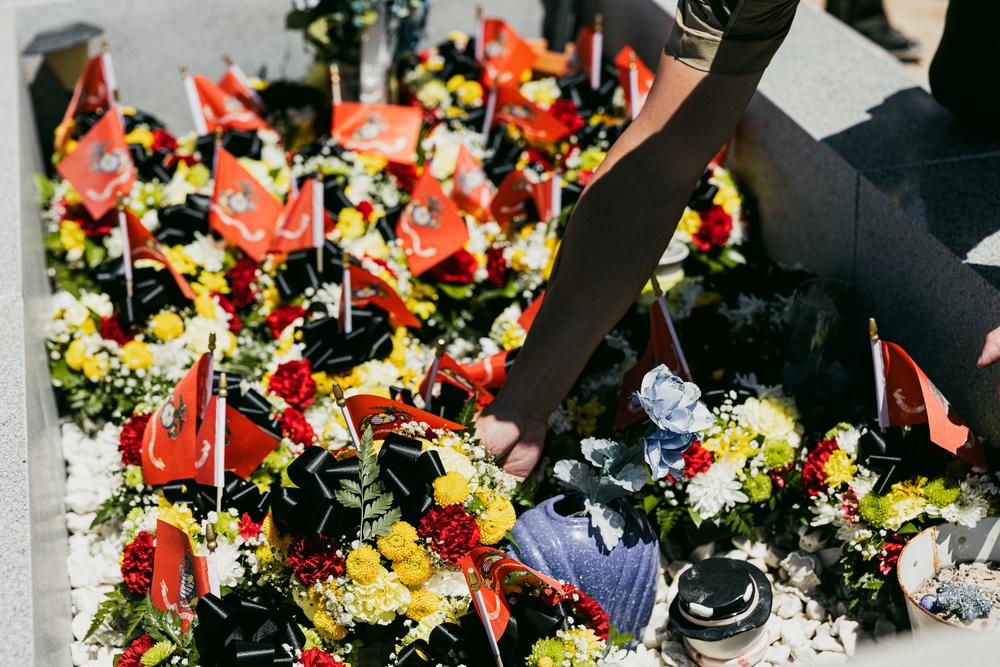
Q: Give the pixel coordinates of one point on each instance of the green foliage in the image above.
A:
(740, 521)
(368, 495)
(113, 602)
(468, 413)
(667, 518)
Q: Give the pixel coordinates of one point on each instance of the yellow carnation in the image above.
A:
(205, 306)
(422, 603)
(180, 260)
(324, 383)
(415, 570)
(76, 354)
(214, 282)
(351, 223)
(71, 236)
(363, 564)
(451, 489)
(498, 518)
(136, 355)
(167, 326)
(400, 543)
(95, 368)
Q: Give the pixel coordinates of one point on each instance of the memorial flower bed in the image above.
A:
(269, 358)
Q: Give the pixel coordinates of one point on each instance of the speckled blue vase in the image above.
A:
(567, 548)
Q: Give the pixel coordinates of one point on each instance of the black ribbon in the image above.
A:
(179, 222)
(257, 409)
(703, 197)
(152, 290)
(895, 456)
(501, 158)
(240, 143)
(236, 632)
(330, 350)
(301, 270)
(466, 643)
(313, 509)
(244, 496)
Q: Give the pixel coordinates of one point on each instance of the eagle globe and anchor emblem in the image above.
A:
(373, 126)
(107, 161)
(387, 414)
(370, 290)
(426, 215)
(239, 200)
(172, 418)
(497, 47)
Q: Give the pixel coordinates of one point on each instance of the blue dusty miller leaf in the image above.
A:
(609, 524)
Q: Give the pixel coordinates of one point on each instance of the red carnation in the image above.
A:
(889, 554)
(281, 317)
(315, 657)
(453, 532)
(535, 157)
(111, 329)
(589, 608)
(295, 427)
(565, 112)
(293, 382)
(406, 175)
(458, 269)
(241, 280)
(235, 325)
(365, 208)
(496, 267)
(315, 559)
(696, 460)
(584, 175)
(248, 528)
(133, 654)
(130, 439)
(716, 226)
(813, 472)
(163, 139)
(137, 563)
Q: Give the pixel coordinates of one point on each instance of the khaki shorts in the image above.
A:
(730, 36)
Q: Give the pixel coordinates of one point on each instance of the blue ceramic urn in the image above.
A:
(568, 548)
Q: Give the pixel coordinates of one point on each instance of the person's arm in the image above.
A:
(624, 220)
(989, 356)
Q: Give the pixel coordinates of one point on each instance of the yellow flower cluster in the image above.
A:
(363, 564)
(839, 468)
(422, 604)
(734, 445)
(167, 326)
(584, 417)
(400, 543)
(451, 489)
(498, 518)
(415, 569)
(71, 236)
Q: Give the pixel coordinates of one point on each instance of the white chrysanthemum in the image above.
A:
(206, 252)
(447, 582)
(227, 559)
(970, 507)
(198, 329)
(379, 601)
(772, 417)
(825, 512)
(377, 373)
(99, 302)
(716, 490)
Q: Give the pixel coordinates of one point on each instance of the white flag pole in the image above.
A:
(596, 52)
(126, 246)
(194, 102)
(491, 107)
(878, 364)
(633, 86)
(432, 375)
(480, 34)
(220, 441)
(318, 217)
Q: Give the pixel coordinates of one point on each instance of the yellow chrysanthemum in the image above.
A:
(372, 163)
(178, 516)
(214, 282)
(71, 236)
(455, 82)
(273, 535)
(690, 222)
(76, 354)
(839, 468)
(205, 306)
(363, 564)
(399, 347)
(582, 640)
(95, 368)
(180, 260)
(351, 223)
(264, 554)
(88, 327)
(422, 603)
(327, 627)
(324, 383)
(498, 518)
(513, 337)
(167, 326)
(470, 92)
(400, 543)
(734, 445)
(451, 489)
(415, 570)
(136, 355)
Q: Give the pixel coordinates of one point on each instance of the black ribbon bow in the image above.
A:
(152, 290)
(179, 222)
(301, 270)
(466, 643)
(330, 350)
(407, 472)
(236, 632)
(244, 496)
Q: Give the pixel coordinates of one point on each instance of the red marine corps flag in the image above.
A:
(636, 79)
(514, 108)
(504, 54)
(430, 227)
(514, 191)
(170, 440)
(449, 371)
(385, 130)
(471, 190)
(179, 577)
(143, 245)
(246, 444)
(101, 167)
(92, 93)
(906, 396)
(242, 210)
(234, 82)
(369, 289)
(296, 226)
(384, 416)
(222, 110)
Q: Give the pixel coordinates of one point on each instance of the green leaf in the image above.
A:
(907, 529)
(456, 292)
(380, 505)
(348, 499)
(667, 518)
(649, 503)
(742, 524)
(468, 412)
(94, 253)
(509, 536)
(44, 187)
(383, 525)
(110, 606)
(351, 486)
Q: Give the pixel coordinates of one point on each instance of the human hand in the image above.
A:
(991, 351)
(513, 437)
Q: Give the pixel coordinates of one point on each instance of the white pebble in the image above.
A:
(824, 642)
(829, 659)
(657, 620)
(80, 625)
(848, 634)
(803, 652)
(778, 654)
(786, 606)
(673, 655)
(736, 554)
(758, 563)
(815, 611)
(791, 632)
(752, 548)
(809, 628)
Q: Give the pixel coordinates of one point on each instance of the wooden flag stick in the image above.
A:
(220, 441)
(338, 394)
(477, 597)
(432, 375)
(211, 343)
(126, 245)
